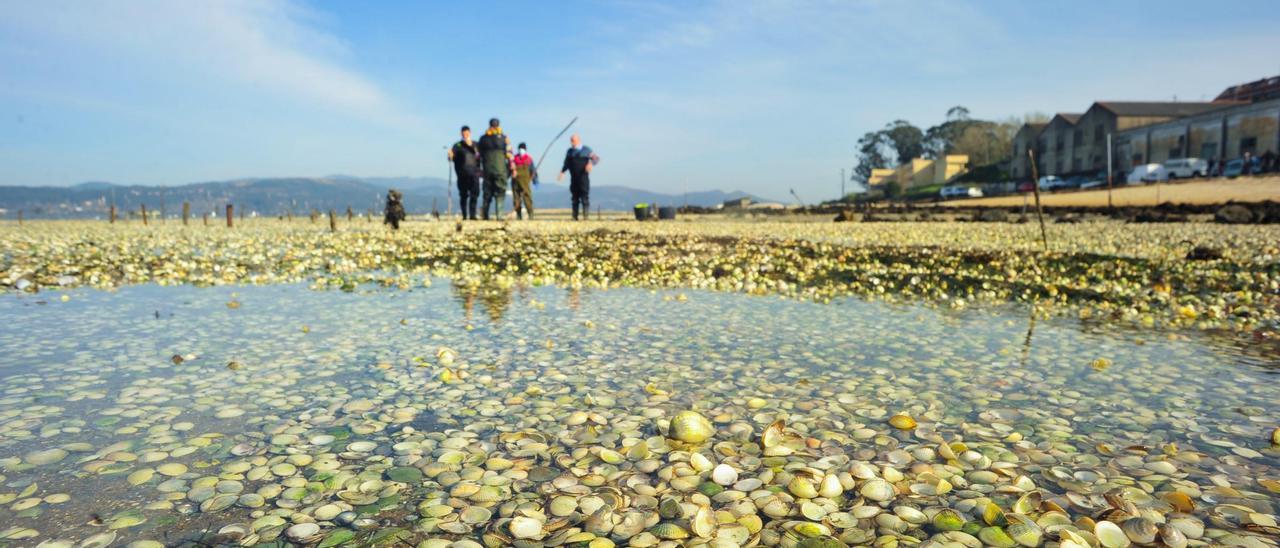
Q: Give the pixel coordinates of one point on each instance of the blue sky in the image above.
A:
(758, 96)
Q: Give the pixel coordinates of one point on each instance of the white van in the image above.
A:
(1183, 168)
(1146, 173)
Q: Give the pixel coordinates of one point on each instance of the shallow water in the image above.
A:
(97, 370)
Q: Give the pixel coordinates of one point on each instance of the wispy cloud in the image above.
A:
(274, 47)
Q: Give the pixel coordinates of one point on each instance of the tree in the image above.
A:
(871, 149)
(906, 140)
(940, 139)
(901, 138)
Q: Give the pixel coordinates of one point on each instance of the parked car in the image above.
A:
(1183, 168)
(1026, 187)
(1234, 169)
(1051, 183)
(1099, 180)
(1073, 182)
(959, 191)
(1146, 173)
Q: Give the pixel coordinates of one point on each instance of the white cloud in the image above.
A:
(272, 46)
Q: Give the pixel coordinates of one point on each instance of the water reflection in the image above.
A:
(494, 297)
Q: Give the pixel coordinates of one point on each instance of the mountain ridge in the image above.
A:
(276, 196)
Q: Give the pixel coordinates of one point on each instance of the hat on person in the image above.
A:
(522, 147)
(493, 122)
(466, 128)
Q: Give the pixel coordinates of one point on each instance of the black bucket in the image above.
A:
(666, 213)
(642, 213)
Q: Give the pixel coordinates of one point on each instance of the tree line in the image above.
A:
(986, 142)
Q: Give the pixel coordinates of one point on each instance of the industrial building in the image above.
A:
(1243, 118)
(1226, 133)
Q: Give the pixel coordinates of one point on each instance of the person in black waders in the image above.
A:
(578, 161)
(495, 156)
(466, 164)
(394, 212)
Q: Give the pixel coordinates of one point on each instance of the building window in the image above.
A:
(1057, 167)
(1248, 145)
(1209, 150)
(1075, 164)
(1077, 137)
(1098, 137)
(1058, 143)
(1137, 159)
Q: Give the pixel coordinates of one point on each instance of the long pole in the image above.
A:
(1035, 186)
(842, 183)
(553, 142)
(1109, 173)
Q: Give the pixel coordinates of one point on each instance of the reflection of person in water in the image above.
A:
(466, 296)
(575, 298)
(495, 298)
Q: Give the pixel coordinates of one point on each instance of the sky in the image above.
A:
(760, 96)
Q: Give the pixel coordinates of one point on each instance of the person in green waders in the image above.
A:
(523, 177)
(495, 157)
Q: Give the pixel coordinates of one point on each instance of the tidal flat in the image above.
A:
(626, 384)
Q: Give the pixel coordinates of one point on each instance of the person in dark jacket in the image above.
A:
(394, 213)
(495, 155)
(466, 164)
(578, 161)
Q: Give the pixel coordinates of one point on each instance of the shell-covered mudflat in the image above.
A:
(1203, 275)
(504, 414)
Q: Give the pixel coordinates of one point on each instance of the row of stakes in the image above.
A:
(186, 216)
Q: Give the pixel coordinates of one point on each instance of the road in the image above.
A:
(1251, 189)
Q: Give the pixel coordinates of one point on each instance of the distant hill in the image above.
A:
(300, 195)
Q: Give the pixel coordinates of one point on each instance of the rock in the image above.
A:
(1233, 214)
(993, 216)
(848, 217)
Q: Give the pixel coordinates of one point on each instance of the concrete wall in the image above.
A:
(950, 167)
(881, 176)
(1253, 132)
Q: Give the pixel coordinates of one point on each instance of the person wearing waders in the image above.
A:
(394, 213)
(578, 161)
(523, 176)
(466, 164)
(495, 157)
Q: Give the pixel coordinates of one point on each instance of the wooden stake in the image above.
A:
(313, 215)
(19, 217)
(186, 213)
(206, 218)
(350, 215)
(144, 214)
(1035, 187)
(230, 208)
(333, 222)
(113, 214)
